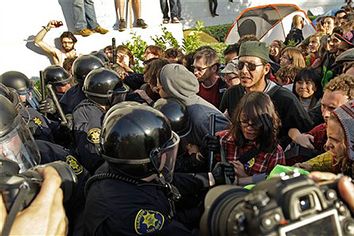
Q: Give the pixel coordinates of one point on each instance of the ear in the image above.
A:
(266, 68)
(214, 68)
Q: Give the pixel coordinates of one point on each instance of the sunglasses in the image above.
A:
(249, 66)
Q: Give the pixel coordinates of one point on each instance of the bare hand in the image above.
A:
(305, 140)
(192, 148)
(239, 169)
(303, 165)
(46, 214)
(53, 24)
(143, 95)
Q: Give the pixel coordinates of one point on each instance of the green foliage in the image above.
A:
(189, 44)
(166, 40)
(218, 31)
(137, 46)
(291, 43)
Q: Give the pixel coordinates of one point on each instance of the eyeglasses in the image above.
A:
(247, 123)
(196, 68)
(67, 42)
(250, 66)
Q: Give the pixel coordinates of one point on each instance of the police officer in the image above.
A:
(176, 112)
(102, 88)
(101, 55)
(22, 84)
(59, 78)
(81, 68)
(18, 145)
(39, 125)
(129, 194)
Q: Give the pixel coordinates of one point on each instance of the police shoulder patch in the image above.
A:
(74, 164)
(148, 221)
(93, 135)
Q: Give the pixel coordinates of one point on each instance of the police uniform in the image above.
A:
(117, 207)
(72, 98)
(39, 126)
(75, 206)
(87, 118)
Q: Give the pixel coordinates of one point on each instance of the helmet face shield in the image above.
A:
(164, 159)
(19, 146)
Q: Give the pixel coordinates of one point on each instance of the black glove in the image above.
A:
(223, 173)
(47, 106)
(212, 143)
(69, 122)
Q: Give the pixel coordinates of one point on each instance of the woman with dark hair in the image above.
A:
(275, 49)
(251, 144)
(153, 51)
(307, 88)
(148, 91)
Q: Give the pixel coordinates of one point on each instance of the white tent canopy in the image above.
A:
(267, 22)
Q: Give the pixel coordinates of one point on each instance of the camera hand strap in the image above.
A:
(17, 206)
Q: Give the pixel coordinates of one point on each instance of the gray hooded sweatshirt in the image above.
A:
(178, 82)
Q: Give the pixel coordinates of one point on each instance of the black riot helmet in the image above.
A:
(23, 86)
(10, 94)
(16, 141)
(83, 65)
(176, 112)
(56, 75)
(102, 56)
(104, 87)
(16, 80)
(138, 141)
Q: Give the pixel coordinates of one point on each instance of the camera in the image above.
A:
(21, 189)
(289, 205)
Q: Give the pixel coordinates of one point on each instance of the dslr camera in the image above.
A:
(286, 206)
(19, 189)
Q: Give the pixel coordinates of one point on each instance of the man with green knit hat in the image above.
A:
(254, 70)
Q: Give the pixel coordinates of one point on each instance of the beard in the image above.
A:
(68, 49)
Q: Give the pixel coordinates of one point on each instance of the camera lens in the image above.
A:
(305, 203)
(219, 204)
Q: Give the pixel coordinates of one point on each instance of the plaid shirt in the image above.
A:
(262, 163)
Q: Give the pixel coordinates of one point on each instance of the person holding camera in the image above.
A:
(251, 144)
(67, 40)
(45, 215)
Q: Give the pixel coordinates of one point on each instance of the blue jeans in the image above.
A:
(84, 14)
(173, 8)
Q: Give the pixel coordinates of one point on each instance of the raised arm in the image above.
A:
(50, 50)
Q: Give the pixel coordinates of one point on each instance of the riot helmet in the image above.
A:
(138, 142)
(83, 65)
(104, 87)
(118, 106)
(10, 94)
(22, 84)
(16, 141)
(176, 112)
(56, 75)
(102, 56)
(16, 80)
